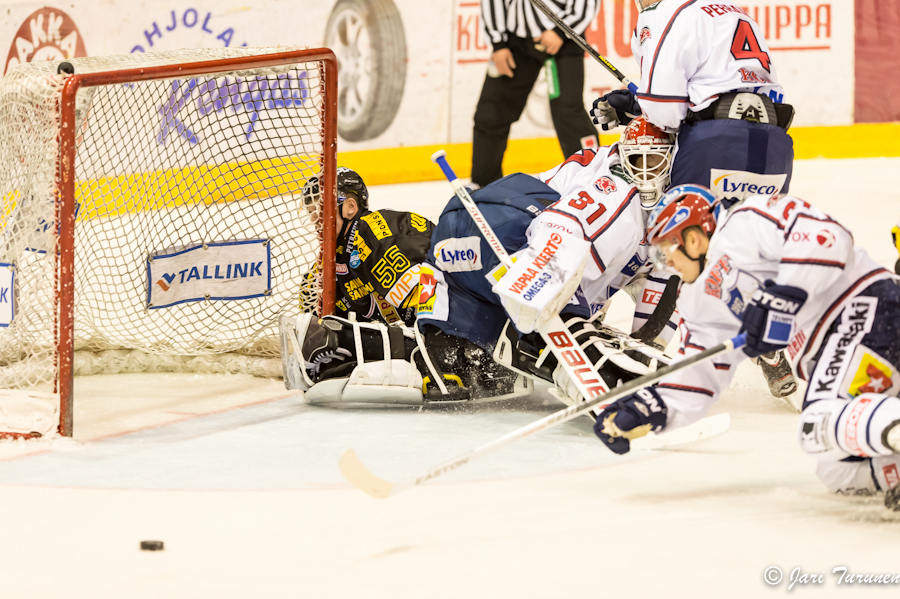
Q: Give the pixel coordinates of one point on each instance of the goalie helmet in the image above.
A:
(646, 155)
(349, 183)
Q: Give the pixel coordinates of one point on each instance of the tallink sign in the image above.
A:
(230, 270)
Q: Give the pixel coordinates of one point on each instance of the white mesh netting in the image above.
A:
(161, 165)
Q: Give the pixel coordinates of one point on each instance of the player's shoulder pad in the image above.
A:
(375, 224)
(776, 208)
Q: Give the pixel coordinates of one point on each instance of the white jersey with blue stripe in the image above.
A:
(779, 238)
(598, 202)
(692, 52)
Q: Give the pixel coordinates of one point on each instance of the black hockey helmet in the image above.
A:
(349, 182)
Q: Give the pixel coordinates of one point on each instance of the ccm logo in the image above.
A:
(576, 359)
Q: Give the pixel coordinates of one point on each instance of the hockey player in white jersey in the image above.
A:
(791, 277)
(581, 226)
(706, 72)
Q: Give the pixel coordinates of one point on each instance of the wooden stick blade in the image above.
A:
(360, 477)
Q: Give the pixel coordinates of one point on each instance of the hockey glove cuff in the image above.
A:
(629, 418)
(618, 107)
(770, 317)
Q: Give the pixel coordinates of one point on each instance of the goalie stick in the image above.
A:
(570, 33)
(361, 478)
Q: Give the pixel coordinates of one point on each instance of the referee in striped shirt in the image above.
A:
(523, 38)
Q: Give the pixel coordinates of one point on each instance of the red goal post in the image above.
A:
(71, 190)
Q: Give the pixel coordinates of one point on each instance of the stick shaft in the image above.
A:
(574, 411)
(570, 33)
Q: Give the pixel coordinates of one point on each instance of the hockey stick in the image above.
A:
(361, 478)
(664, 310)
(570, 33)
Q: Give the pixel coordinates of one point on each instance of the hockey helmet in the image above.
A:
(680, 208)
(646, 154)
(349, 182)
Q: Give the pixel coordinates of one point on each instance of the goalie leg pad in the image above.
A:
(379, 382)
(345, 361)
(292, 331)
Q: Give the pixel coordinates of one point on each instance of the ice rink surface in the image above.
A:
(239, 478)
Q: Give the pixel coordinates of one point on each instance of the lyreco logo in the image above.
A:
(46, 34)
(742, 184)
(458, 254)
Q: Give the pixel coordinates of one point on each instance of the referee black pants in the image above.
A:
(503, 100)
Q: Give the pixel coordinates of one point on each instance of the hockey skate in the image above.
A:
(778, 373)
(892, 498)
(469, 374)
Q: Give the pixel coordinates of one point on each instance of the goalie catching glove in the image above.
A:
(543, 279)
(630, 418)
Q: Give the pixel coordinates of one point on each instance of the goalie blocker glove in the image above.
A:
(630, 418)
(770, 316)
(618, 107)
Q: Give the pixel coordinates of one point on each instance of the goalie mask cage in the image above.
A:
(124, 183)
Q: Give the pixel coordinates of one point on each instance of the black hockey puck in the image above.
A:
(151, 545)
(65, 67)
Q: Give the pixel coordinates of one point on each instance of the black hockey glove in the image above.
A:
(618, 107)
(629, 418)
(769, 318)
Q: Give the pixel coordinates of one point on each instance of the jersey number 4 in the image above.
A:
(745, 46)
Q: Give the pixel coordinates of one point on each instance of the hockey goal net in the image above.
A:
(150, 217)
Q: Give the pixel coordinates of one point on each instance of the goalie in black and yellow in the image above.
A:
(371, 351)
(378, 253)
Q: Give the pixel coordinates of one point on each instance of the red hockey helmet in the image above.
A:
(682, 207)
(646, 155)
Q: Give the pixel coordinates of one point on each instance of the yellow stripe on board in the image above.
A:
(192, 185)
(405, 165)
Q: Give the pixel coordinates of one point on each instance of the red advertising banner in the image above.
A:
(877, 51)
